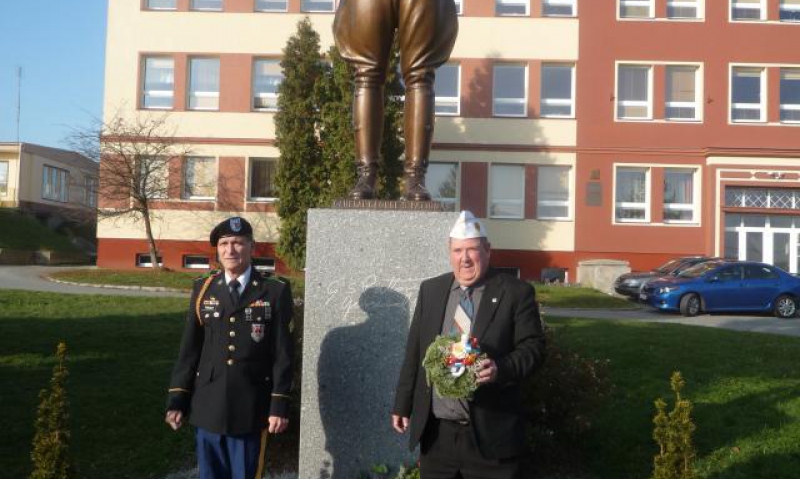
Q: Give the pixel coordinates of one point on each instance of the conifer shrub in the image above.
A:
(673, 433)
(50, 447)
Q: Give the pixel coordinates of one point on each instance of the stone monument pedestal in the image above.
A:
(363, 271)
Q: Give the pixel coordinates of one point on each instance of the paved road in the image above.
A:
(30, 278)
(755, 323)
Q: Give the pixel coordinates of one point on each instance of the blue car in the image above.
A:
(717, 286)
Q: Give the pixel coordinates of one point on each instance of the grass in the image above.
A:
(26, 233)
(745, 388)
(578, 297)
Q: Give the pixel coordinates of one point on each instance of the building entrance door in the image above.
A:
(773, 239)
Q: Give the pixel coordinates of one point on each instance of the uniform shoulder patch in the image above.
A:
(208, 275)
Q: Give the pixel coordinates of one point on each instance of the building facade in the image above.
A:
(47, 181)
(578, 129)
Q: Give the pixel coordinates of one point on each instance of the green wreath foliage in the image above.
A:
(438, 373)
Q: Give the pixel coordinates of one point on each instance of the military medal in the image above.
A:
(248, 314)
(257, 332)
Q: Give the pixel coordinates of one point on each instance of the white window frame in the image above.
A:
(568, 203)
(250, 197)
(184, 194)
(559, 101)
(163, 9)
(157, 93)
(285, 8)
(508, 100)
(460, 6)
(573, 4)
(196, 266)
(520, 202)
(333, 7)
(633, 205)
(761, 107)
(762, 14)
(449, 100)
(4, 185)
(788, 106)
(648, 103)
(694, 206)
(450, 201)
(55, 184)
(203, 94)
(650, 4)
(698, 93)
(206, 9)
(141, 263)
(255, 94)
(699, 6)
(789, 8)
(499, 3)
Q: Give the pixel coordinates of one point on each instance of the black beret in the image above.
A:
(235, 226)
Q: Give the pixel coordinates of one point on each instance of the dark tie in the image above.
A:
(233, 287)
(467, 305)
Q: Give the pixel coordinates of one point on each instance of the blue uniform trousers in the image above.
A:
(230, 457)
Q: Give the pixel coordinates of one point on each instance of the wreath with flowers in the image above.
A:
(451, 363)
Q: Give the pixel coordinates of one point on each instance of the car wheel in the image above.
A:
(690, 305)
(785, 306)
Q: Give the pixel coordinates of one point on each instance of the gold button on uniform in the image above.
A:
(231, 347)
(230, 362)
(232, 334)
(232, 319)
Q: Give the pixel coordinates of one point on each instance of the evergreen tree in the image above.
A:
(298, 179)
(50, 448)
(673, 432)
(392, 148)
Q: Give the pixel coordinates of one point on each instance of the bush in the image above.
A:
(673, 433)
(50, 454)
(560, 401)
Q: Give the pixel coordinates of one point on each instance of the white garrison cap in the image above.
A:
(467, 226)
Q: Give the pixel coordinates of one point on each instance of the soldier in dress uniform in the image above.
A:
(233, 375)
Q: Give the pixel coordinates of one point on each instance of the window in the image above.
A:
(272, 5)
(159, 82)
(681, 95)
(506, 191)
(790, 95)
(207, 5)
(55, 184)
(199, 178)
(636, 8)
(448, 99)
(509, 90)
(143, 260)
(790, 11)
(3, 178)
(558, 8)
(263, 264)
(749, 197)
(204, 84)
(161, 4)
(679, 195)
(90, 191)
(557, 90)
(154, 176)
(632, 194)
(459, 6)
(267, 77)
(511, 7)
(262, 178)
(747, 10)
(442, 182)
(633, 92)
(753, 271)
(317, 5)
(552, 192)
(681, 9)
(195, 262)
(747, 97)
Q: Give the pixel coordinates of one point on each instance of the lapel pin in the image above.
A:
(255, 283)
(494, 300)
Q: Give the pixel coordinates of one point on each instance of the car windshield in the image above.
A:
(669, 266)
(699, 270)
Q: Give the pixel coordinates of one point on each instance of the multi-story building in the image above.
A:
(630, 129)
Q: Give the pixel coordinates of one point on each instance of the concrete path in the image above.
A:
(31, 278)
(752, 322)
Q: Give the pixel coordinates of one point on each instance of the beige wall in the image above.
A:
(10, 155)
(532, 235)
(505, 131)
(186, 225)
(30, 189)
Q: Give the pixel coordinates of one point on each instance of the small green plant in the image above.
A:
(673, 432)
(50, 448)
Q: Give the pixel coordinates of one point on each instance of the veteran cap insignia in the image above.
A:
(236, 224)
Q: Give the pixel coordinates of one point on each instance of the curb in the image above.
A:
(158, 289)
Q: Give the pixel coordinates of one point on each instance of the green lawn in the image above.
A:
(26, 233)
(578, 297)
(745, 386)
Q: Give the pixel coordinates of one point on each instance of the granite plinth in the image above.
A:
(363, 271)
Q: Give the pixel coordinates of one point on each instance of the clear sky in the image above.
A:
(60, 46)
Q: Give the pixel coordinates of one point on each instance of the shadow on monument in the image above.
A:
(356, 392)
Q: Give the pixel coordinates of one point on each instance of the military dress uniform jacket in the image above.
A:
(509, 330)
(234, 369)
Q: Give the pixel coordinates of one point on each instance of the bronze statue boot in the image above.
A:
(365, 186)
(415, 184)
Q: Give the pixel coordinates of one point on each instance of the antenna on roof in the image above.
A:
(19, 97)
